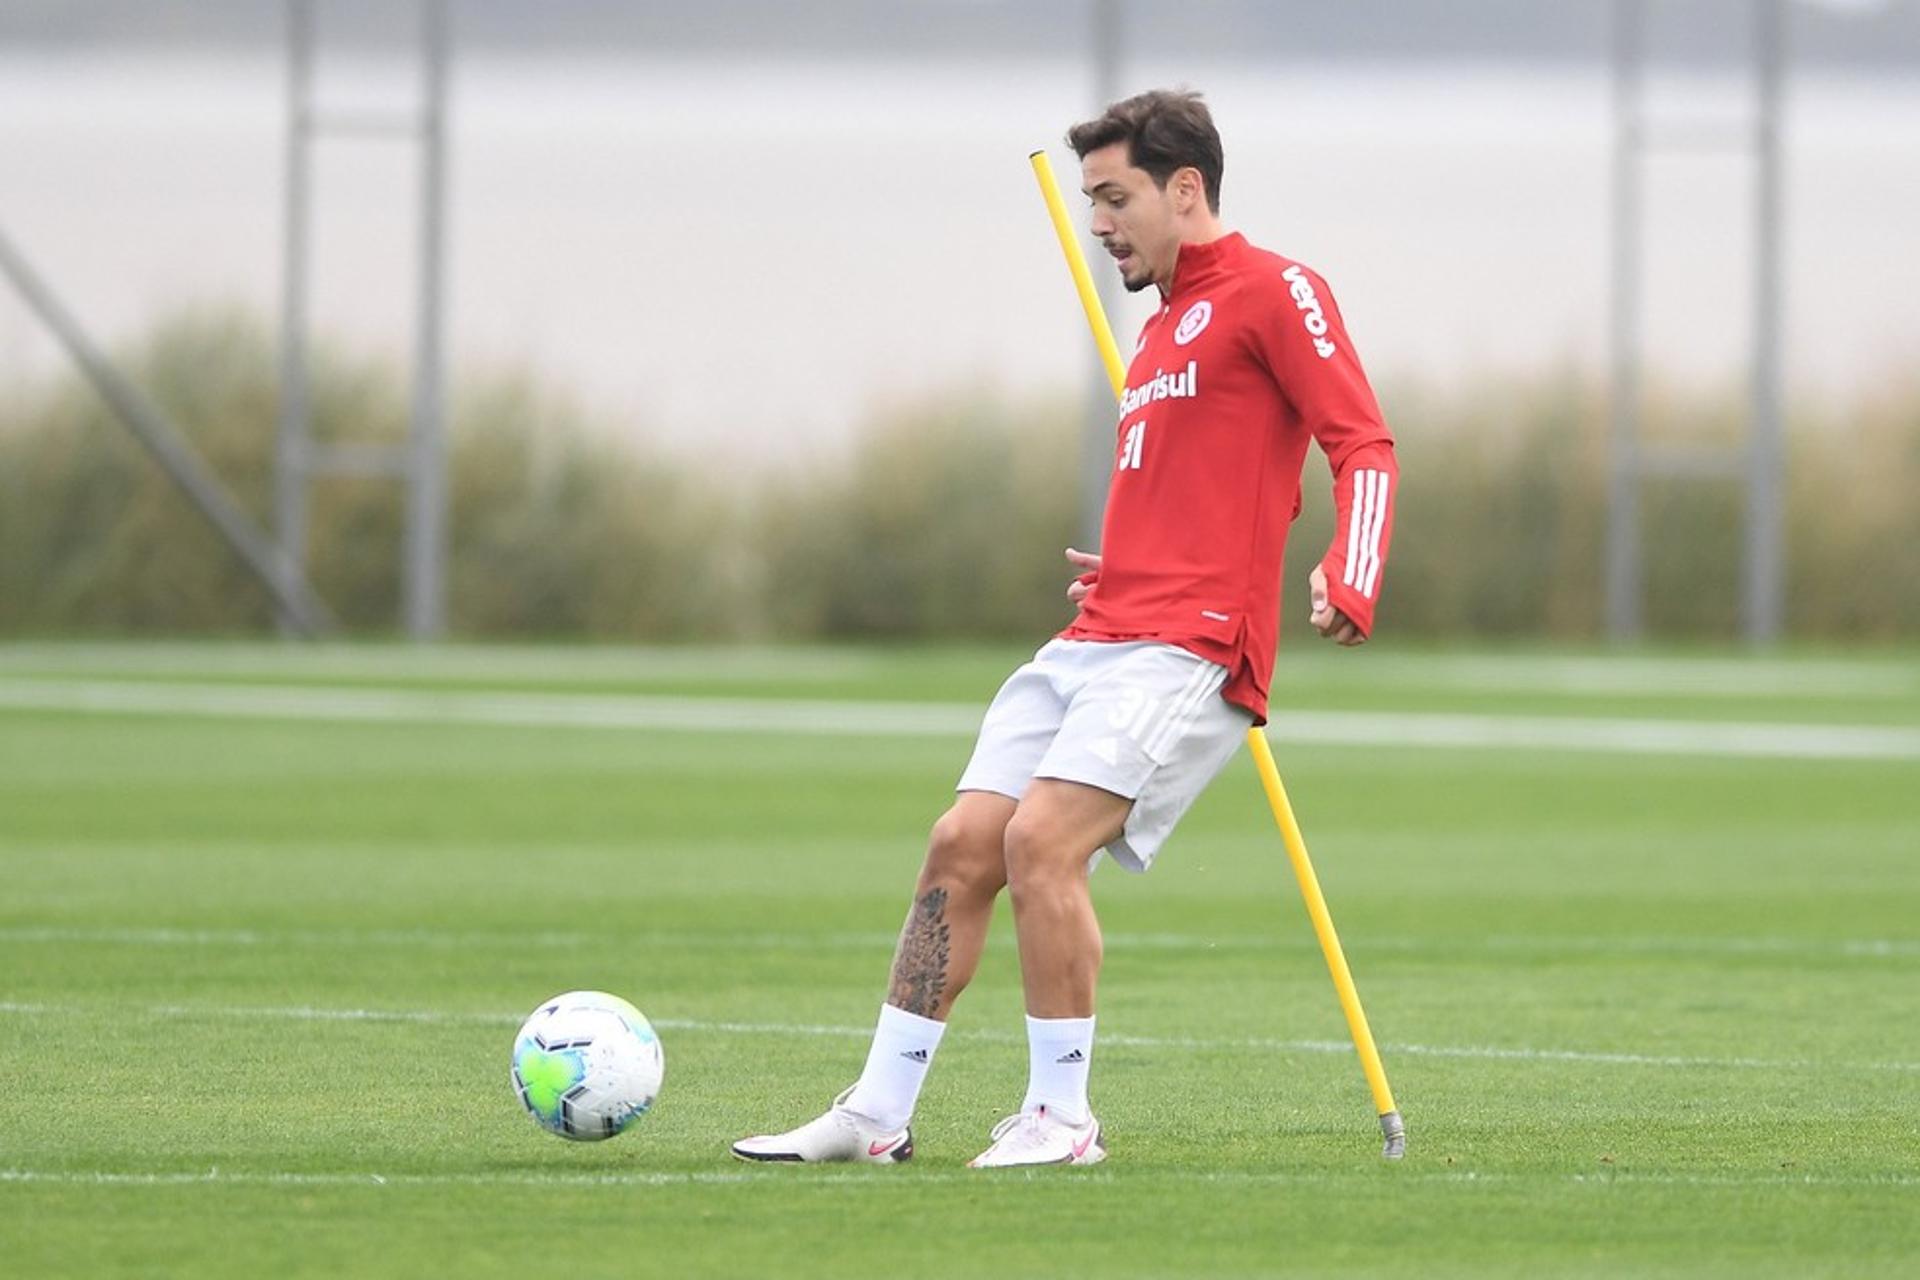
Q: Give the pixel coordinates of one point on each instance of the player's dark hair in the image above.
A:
(1165, 130)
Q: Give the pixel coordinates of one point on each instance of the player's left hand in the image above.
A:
(1326, 619)
(1089, 562)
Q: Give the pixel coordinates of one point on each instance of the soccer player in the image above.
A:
(1109, 734)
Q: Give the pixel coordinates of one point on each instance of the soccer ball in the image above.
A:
(586, 1065)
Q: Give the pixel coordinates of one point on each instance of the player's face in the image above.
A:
(1132, 215)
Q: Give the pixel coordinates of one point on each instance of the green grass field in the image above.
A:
(268, 920)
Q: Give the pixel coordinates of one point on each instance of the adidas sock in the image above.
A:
(1058, 1053)
(903, 1046)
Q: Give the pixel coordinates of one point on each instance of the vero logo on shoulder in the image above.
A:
(1309, 304)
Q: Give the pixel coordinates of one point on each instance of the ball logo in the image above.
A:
(1192, 323)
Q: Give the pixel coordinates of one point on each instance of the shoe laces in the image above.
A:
(1027, 1122)
(857, 1122)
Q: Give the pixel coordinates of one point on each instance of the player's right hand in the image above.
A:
(1326, 619)
(1089, 565)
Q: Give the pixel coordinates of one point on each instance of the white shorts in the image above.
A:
(1138, 718)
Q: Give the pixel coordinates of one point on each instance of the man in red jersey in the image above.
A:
(1108, 735)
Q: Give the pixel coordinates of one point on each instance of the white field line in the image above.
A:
(434, 1017)
(1850, 948)
(519, 710)
(66, 935)
(440, 940)
(1747, 740)
(556, 664)
(1751, 740)
(1574, 676)
(1867, 679)
(912, 1176)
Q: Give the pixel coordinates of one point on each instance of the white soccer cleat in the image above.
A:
(1040, 1137)
(839, 1135)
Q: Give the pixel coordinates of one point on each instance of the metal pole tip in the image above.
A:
(1394, 1130)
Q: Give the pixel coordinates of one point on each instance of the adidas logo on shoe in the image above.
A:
(1071, 1057)
(916, 1055)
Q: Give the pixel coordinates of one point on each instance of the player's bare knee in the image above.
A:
(964, 856)
(1040, 860)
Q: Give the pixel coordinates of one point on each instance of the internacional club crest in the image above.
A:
(1192, 323)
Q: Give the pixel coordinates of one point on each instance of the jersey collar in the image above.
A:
(1194, 263)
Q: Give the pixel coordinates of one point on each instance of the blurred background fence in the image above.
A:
(756, 331)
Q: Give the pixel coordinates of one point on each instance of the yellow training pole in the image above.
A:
(1392, 1128)
(1391, 1125)
(1082, 280)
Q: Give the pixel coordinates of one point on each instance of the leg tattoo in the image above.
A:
(920, 964)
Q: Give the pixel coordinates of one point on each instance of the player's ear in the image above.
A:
(1188, 188)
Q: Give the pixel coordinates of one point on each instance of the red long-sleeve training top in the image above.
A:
(1247, 360)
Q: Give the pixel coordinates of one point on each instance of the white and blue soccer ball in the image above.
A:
(587, 1065)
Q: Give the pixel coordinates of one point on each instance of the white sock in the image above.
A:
(903, 1046)
(1058, 1053)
